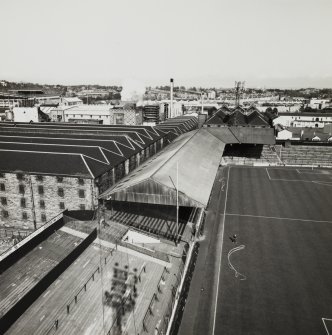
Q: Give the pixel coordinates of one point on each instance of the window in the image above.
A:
(19, 176)
(24, 216)
(2, 175)
(39, 178)
(81, 193)
(41, 190)
(3, 201)
(2, 187)
(59, 179)
(80, 181)
(5, 214)
(21, 189)
(119, 118)
(82, 207)
(43, 217)
(61, 193)
(42, 204)
(23, 203)
(62, 205)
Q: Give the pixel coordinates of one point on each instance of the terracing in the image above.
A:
(248, 154)
(306, 155)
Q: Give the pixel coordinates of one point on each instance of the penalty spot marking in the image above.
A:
(325, 320)
(277, 218)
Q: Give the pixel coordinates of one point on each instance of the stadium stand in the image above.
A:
(247, 154)
(305, 155)
(158, 226)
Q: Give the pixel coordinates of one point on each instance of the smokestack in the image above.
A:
(171, 104)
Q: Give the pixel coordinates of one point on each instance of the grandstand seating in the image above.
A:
(160, 227)
(306, 155)
(115, 230)
(244, 154)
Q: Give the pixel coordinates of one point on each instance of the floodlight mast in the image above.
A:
(171, 102)
(177, 200)
(239, 89)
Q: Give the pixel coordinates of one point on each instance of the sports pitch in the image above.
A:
(277, 277)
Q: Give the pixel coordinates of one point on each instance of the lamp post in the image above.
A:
(177, 200)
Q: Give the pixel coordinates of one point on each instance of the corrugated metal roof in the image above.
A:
(249, 135)
(58, 164)
(197, 155)
(144, 135)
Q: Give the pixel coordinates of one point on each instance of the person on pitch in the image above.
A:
(233, 238)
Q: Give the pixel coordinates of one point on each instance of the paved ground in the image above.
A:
(277, 277)
(199, 311)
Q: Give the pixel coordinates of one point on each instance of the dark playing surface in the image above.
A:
(283, 218)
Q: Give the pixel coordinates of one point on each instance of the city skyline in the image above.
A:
(275, 43)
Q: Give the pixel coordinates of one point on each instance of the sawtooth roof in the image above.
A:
(58, 164)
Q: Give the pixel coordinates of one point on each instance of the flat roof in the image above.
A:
(311, 114)
(85, 315)
(23, 275)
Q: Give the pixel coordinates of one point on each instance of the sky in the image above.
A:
(267, 43)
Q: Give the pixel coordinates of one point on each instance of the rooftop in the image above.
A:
(238, 116)
(193, 156)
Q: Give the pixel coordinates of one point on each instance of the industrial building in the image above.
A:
(97, 114)
(48, 167)
(305, 119)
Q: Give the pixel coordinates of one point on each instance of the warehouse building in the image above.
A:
(47, 167)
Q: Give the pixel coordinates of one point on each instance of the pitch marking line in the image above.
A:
(222, 239)
(271, 167)
(325, 183)
(298, 180)
(308, 172)
(277, 218)
(273, 179)
(236, 273)
(267, 171)
(324, 322)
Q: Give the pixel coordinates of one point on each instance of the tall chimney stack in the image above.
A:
(171, 104)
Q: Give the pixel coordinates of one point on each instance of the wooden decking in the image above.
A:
(16, 281)
(89, 314)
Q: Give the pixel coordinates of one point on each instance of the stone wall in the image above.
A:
(32, 200)
(42, 194)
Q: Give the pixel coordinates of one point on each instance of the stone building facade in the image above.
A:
(46, 168)
(29, 200)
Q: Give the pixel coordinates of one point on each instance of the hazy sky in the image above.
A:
(282, 43)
